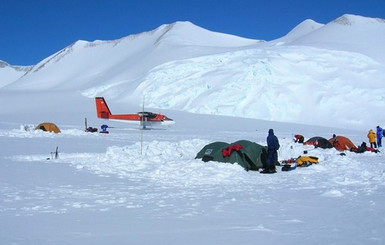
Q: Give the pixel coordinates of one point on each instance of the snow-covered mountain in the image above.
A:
(317, 74)
(88, 64)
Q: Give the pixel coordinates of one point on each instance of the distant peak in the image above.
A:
(187, 33)
(179, 26)
(182, 23)
(302, 29)
(350, 19)
(3, 64)
(308, 25)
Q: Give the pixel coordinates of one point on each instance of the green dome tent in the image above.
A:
(250, 155)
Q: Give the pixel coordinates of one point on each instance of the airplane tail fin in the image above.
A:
(102, 109)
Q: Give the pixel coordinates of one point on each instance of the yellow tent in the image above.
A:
(49, 127)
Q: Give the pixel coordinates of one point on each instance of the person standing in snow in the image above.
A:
(334, 138)
(372, 139)
(272, 154)
(380, 133)
(298, 138)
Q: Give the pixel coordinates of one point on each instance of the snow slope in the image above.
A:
(146, 187)
(349, 33)
(10, 73)
(221, 74)
(110, 63)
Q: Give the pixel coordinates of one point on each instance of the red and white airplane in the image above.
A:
(144, 118)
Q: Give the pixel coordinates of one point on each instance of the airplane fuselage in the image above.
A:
(145, 118)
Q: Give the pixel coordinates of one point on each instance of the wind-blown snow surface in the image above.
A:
(113, 189)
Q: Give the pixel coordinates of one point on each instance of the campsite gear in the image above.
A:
(91, 129)
(226, 152)
(342, 143)
(305, 161)
(319, 142)
(55, 154)
(85, 124)
(104, 129)
(289, 165)
(289, 161)
(48, 127)
(251, 156)
(28, 127)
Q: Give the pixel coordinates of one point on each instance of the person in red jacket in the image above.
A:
(298, 138)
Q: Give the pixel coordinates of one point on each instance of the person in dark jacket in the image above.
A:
(380, 134)
(272, 154)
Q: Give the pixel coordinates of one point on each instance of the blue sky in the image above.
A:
(31, 30)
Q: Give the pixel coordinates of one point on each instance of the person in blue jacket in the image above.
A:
(380, 133)
(272, 154)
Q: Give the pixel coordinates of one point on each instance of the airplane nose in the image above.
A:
(167, 121)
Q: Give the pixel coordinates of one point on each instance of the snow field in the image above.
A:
(172, 165)
(105, 177)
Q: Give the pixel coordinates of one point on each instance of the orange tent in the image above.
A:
(342, 144)
(50, 127)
